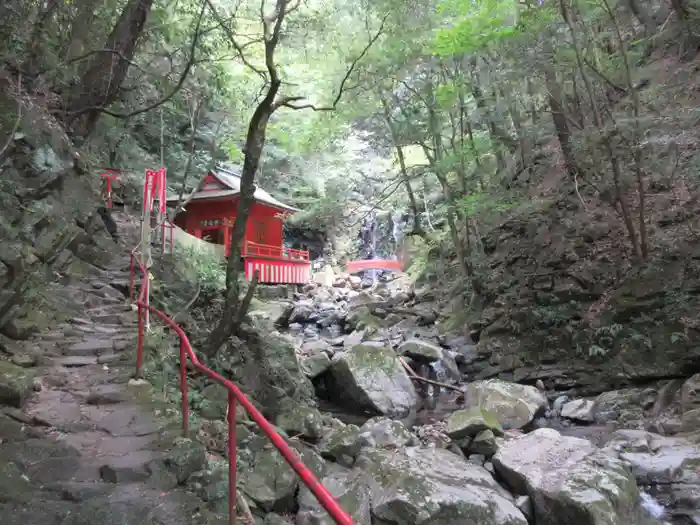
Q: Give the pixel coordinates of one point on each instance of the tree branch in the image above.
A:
(288, 101)
(15, 127)
(236, 46)
(183, 76)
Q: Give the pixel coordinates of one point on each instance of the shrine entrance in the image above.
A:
(213, 235)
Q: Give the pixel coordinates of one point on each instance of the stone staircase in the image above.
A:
(86, 443)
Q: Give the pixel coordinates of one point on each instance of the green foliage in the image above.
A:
(476, 204)
(203, 267)
(476, 25)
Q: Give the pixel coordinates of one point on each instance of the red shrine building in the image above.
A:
(211, 214)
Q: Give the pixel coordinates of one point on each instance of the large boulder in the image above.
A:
(269, 481)
(267, 368)
(513, 405)
(414, 485)
(373, 377)
(569, 481)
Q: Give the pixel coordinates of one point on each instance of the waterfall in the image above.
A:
(368, 238)
(380, 237)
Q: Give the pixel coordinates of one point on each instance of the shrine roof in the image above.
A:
(229, 178)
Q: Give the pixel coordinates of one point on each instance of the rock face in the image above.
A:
(373, 377)
(513, 405)
(587, 317)
(569, 481)
(47, 218)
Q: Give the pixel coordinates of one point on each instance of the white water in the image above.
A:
(654, 508)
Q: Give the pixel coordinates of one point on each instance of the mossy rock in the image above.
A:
(469, 422)
(16, 384)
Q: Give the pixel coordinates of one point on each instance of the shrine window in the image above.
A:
(260, 232)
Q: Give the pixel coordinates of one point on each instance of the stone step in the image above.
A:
(75, 361)
(110, 308)
(94, 328)
(107, 395)
(107, 359)
(95, 347)
(114, 319)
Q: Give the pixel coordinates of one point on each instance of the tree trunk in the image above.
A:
(101, 82)
(643, 16)
(254, 144)
(34, 55)
(561, 125)
(80, 28)
(417, 228)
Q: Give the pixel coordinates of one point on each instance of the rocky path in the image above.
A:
(87, 446)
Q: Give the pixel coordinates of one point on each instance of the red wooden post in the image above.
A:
(139, 344)
(232, 452)
(131, 277)
(183, 389)
(108, 177)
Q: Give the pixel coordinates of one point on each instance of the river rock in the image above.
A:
(484, 444)
(668, 463)
(513, 405)
(383, 432)
(269, 482)
(314, 365)
(302, 313)
(579, 410)
(299, 419)
(351, 490)
(421, 350)
(433, 486)
(341, 443)
(373, 377)
(625, 407)
(570, 481)
(468, 422)
(690, 393)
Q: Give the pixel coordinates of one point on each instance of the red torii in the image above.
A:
(155, 182)
(109, 176)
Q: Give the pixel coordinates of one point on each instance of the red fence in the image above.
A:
(324, 497)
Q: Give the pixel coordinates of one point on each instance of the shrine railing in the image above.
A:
(253, 249)
(235, 396)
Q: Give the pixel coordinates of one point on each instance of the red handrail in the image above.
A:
(324, 497)
(275, 252)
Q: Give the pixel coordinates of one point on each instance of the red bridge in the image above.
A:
(392, 265)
